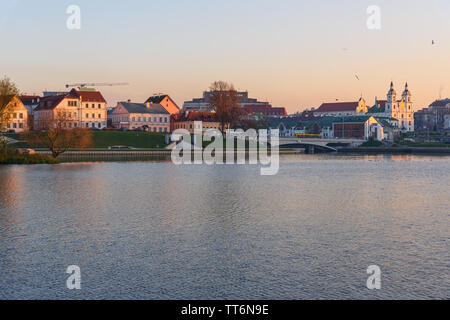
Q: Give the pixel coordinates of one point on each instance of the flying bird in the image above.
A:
(432, 42)
(357, 77)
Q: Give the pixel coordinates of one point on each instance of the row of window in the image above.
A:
(191, 126)
(14, 115)
(15, 125)
(149, 119)
(155, 129)
(93, 125)
(69, 115)
(93, 106)
(93, 116)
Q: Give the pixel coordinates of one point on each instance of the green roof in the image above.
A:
(286, 123)
(377, 110)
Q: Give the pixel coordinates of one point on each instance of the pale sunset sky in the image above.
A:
(293, 53)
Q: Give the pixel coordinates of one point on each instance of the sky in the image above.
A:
(293, 53)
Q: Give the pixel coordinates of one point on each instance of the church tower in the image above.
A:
(391, 100)
(406, 96)
(406, 116)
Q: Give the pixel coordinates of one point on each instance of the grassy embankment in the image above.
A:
(104, 139)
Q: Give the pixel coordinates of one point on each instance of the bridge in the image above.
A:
(316, 145)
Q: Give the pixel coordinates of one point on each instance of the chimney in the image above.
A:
(129, 100)
(148, 104)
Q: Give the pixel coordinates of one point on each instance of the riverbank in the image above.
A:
(135, 155)
(397, 150)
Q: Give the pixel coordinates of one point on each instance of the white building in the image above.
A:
(400, 109)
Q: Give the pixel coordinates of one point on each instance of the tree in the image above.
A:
(58, 135)
(7, 91)
(224, 100)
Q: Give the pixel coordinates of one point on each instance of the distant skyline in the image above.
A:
(295, 54)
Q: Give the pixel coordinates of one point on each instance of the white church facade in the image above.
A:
(401, 109)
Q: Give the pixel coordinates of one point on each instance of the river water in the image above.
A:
(147, 230)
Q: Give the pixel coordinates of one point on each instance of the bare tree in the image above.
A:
(7, 91)
(58, 135)
(224, 101)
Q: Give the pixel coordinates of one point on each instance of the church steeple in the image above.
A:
(406, 96)
(391, 96)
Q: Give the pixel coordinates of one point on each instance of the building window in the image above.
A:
(93, 106)
(99, 116)
(99, 125)
(87, 105)
(87, 115)
(99, 106)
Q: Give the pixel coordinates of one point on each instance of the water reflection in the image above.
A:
(157, 231)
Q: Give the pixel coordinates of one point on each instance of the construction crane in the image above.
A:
(84, 85)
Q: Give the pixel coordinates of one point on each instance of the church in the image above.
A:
(398, 109)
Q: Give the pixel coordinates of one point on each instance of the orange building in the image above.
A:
(165, 101)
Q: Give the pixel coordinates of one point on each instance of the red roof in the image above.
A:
(89, 96)
(381, 103)
(338, 106)
(195, 116)
(264, 109)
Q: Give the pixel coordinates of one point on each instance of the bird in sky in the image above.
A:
(357, 77)
(432, 42)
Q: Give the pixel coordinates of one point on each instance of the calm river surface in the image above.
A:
(148, 230)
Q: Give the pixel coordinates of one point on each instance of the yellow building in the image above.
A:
(84, 108)
(16, 119)
(401, 109)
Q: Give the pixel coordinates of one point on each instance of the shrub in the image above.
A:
(373, 143)
(13, 158)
